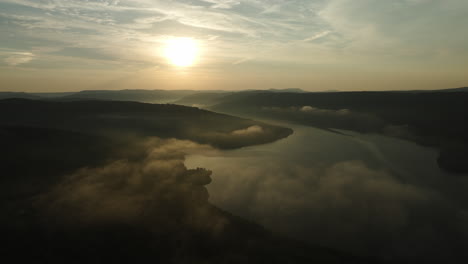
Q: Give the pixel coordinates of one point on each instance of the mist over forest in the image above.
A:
(299, 177)
(234, 131)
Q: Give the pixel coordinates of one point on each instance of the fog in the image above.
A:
(367, 194)
(144, 205)
(129, 191)
(83, 180)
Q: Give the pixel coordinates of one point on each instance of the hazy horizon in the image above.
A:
(218, 90)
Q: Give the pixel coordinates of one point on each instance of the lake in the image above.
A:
(364, 193)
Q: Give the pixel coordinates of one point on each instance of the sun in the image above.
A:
(181, 52)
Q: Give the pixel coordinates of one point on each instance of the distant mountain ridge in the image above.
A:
(186, 97)
(6, 95)
(147, 96)
(460, 89)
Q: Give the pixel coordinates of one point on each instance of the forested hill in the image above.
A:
(436, 119)
(120, 117)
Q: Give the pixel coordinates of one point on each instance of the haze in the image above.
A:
(229, 131)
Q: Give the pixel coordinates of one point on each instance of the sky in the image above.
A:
(316, 45)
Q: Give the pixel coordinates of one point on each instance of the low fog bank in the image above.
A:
(345, 193)
(135, 208)
(88, 182)
(327, 118)
(124, 190)
(142, 205)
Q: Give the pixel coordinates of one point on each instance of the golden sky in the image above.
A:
(316, 45)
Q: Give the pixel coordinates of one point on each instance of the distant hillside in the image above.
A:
(119, 117)
(202, 99)
(6, 95)
(287, 90)
(147, 96)
(207, 99)
(52, 94)
(436, 119)
(461, 89)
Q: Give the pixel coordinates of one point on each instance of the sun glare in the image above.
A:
(181, 52)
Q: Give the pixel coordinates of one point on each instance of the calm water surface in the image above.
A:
(369, 194)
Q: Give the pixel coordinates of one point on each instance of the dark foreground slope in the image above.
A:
(437, 119)
(91, 183)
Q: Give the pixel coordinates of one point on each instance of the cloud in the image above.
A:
(127, 24)
(18, 58)
(224, 4)
(273, 9)
(318, 36)
(248, 131)
(285, 37)
(404, 27)
(240, 61)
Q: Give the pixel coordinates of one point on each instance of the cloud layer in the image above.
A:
(284, 39)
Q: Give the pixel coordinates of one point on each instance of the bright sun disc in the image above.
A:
(181, 51)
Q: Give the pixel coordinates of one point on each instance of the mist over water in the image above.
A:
(367, 194)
